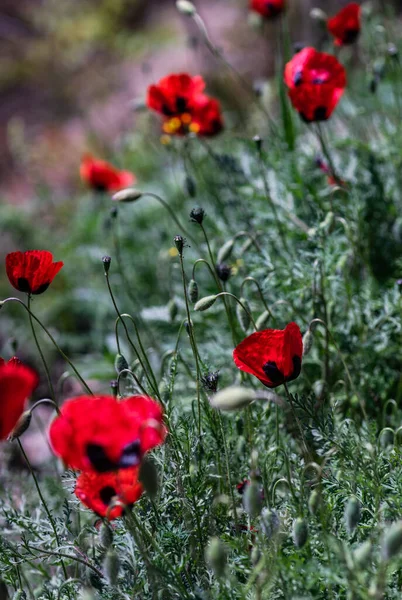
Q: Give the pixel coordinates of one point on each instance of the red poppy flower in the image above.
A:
(268, 8)
(273, 355)
(186, 109)
(17, 382)
(102, 176)
(104, 434)
(345, 26)
(97, 491)
(316, 82)
(32, 271)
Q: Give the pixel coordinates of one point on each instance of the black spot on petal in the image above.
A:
(106, 494)
(99, 459)
(23, 285)
(320, 113)
(273, 373)
(131, 455)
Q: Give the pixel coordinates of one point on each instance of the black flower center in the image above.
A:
(350, 36)
(276, 376)
(181, 104)
(106, 494)
(130, 457)
(23, 285)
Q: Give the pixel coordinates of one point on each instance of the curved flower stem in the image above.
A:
(45, 506)
(253, 238)
(130, 372)
(79, 560)
(88, 389)
(326, 152)
(49, 379)
(253, 280)
(45, 401)
(241, 304)
(202, 260)
(172, 214)
(292, 406)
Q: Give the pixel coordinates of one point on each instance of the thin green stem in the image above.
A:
(231, 491)
(172, 214)
(290, 399)
(241, 304)
(48, 376)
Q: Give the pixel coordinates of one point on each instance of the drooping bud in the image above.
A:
(386, 437)
(22, 425)
(318, 15)
(216, 556)
(308, 339)
(362, 554)
(252, 499)
(193, 291)
(210, 381)
(231, 398)
(106, 535)
(392, 541)
(190, 186)
(120, 363)
(106, 263)
(111, 566)
(148, 476)
(223, 271)
(262, 320)
(127, 195)
(352, 514)
(270, 523)
(205, 303)
(172, 309)
(314, 502)
(197, 215)
(242, 316)
(186, 8)
(225, 251)
(179, 243)
(300, 532)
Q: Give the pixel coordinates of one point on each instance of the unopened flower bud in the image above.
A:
(190, 186)
(172, 309)
(387, 437)
(225, 251)
(193, 291)
(106, 263)
(308, 339)
(127, 195)
(111, 566)
(252, 500)
(120, 363)
(270, 522)
(197, 215)
(186, 8)
(179, 243)
(352, 514)
(205, 303)
(300, 532)
(314, 502)
(223, 271)
(318, 15)
(392, 541)
(22, 425)
(362, 554)
(262, 320)
(216, 556)
(148, 476)
(242, 316)
(106, 535)
(234, 397)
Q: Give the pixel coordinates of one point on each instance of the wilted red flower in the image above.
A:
(268, 8)
(316, 82)
(104, 434)
(17, 382)
(102, 176)
(273, 355)
(186, 109)
(97, 491)
(32, 271)
(345, 26)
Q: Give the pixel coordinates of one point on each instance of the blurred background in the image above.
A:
(69, 72)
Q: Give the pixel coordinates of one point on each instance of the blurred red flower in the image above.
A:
(104, 434)
(184, 106)
(17, 382)
(102, 176)
(97, 491)
(273, 355)
(316, 82)
(268, 8)
(345, 26)
(32, 271)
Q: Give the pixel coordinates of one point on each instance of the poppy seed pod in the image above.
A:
(193, 291)
(22, 425)
(308, 339)
(106, 535)
(210, 381)
(352, 514)
(106, 263)
(127, 195)
(120, 363)
(216, 556)
(252, 500)
(225, 251)
(197, 215)
(231, 398)
(392, 541)
(205, 303)
(186, 8)
(242, 316)
(179, 243)
(300, 532)
(111, 566)
(223, 271)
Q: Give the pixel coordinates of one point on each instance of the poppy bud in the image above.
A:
(352, 514)
(111, 566)
(186, 8)
(193, 291)
(234, 397)
(106, 263)
(210, 381)
(223, 271)
(314, 502)
(114, 386)
(106, 535)
(205, 303)
(216, 556)
(172, 309)
(387, 437)
(197, 215)
(127, 195)
(392, 541)
(308, 339)
(22, 425)
(225, 251)
(242, 316)
(252, 500)
(300, 532)
(120, 363)
(148, 476)
(318, 15)
(189, 184)
(362, 554)
(179, 243)
(262, 320)
(270, 522)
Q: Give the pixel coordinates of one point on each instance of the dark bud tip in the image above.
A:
(223, 271)
(179, 243)
(210, 381)
(197, 215)
(106, 263)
